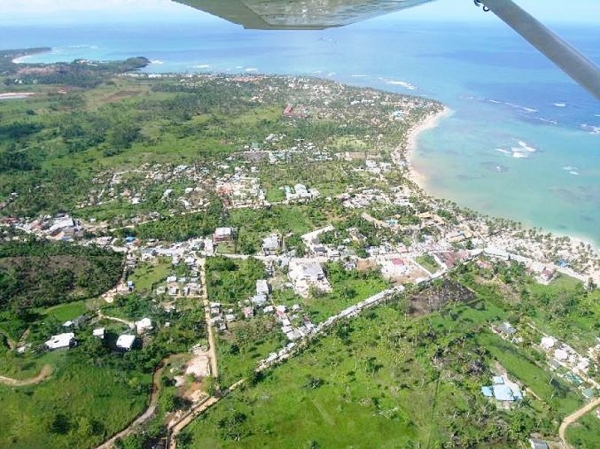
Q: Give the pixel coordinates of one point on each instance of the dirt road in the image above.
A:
(574, 418)
(44, 374)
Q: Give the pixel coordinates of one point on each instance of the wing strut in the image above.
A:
(571, 61)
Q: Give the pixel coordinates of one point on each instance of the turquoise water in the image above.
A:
(501, 91)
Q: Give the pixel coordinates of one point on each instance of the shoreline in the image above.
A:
(412, 141)
(405, 153)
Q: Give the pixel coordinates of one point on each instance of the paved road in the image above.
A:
(574, 418)
(44, 374)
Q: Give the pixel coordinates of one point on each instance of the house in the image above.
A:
(262, 287)
(61, 341)
(305, 274)
(143, 325)
(99, 333)
(77, 322)
(259, 300)
(588, 393)
(503, 393)
(125, 341)
(538, 444)
(498, 380)
(561, 355)
(488, 392)
(548, 342)
(507, 329)
(270, 245)
(223, 235)
(547, 275)
(393, 267)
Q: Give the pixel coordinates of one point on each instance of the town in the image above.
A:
(247, 259)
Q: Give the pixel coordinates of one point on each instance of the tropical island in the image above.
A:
(216, 261)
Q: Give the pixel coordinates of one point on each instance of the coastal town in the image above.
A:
(327, 228)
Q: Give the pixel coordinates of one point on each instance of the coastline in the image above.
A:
(404, 155)
(412, 140)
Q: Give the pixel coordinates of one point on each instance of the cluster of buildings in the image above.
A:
(241, 191)
(306, 274)
(503, 390)
(60, 227)
(570, 365)
(124, 341)
(300, 192)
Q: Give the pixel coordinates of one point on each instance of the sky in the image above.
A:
(70, 11)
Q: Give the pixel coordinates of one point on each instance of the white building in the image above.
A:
(223, 235)
(61, 341)
(262, 287)
(306, 274)
(125, 341)
(548, 342)
(143, 325)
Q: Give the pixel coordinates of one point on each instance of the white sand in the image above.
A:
(412, 143)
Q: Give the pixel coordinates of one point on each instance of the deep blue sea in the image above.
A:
(523, 141)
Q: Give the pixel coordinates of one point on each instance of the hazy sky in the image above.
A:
(32, 11)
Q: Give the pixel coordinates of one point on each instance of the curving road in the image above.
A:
(574, 418)
(149, 412)
(43, 375)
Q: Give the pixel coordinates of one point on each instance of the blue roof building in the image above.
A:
(503, 393)
(488, 392)
(498, 380)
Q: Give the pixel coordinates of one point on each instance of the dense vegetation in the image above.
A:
(39, 274)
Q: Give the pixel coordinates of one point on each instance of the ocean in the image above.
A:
(523, 141)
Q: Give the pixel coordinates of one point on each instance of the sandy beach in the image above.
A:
(412, 141)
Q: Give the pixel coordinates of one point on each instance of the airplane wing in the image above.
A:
(570, 60)
(299, 14)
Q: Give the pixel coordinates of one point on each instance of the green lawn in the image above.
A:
(428, 262)
(146, 275)
(65, 312)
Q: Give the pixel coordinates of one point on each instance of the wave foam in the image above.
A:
(402, 83)
(590, 128)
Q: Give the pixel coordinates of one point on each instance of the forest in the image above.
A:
(41, 273)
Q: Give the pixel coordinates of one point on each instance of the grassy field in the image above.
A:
(348, 289)
(73, 408)
(147, 275)
(65, 312)
(584, 433)
(361, 386)
(428, 262)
